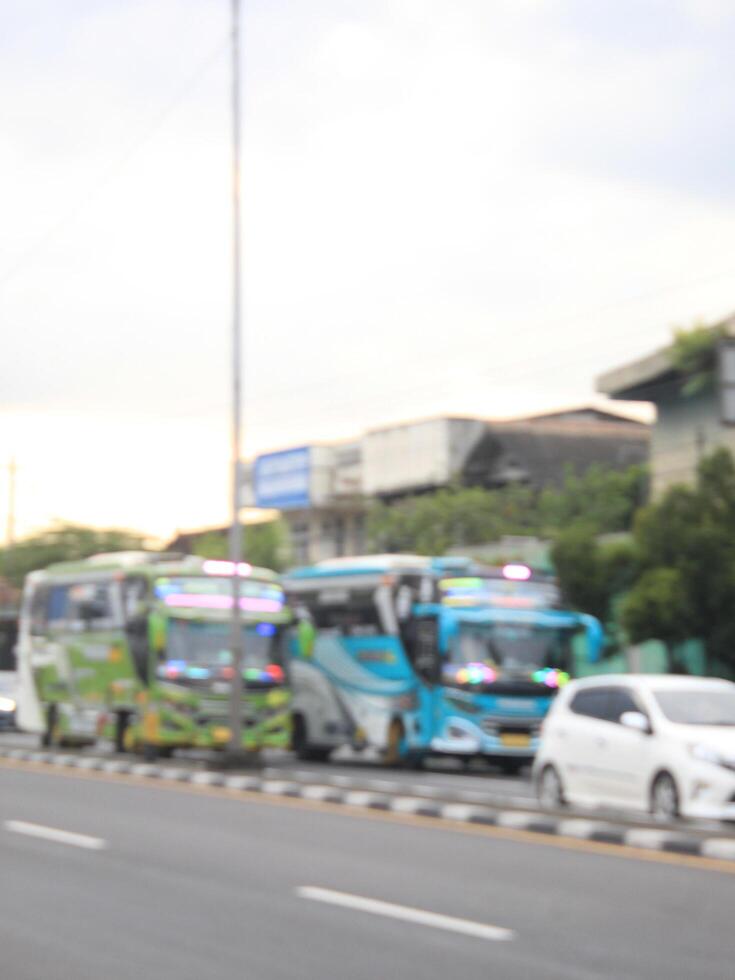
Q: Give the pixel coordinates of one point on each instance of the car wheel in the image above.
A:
(549, 789)
(664, 797)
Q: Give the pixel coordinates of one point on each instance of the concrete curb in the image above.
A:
(579, 828)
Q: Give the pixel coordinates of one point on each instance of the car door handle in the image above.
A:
(601, 742)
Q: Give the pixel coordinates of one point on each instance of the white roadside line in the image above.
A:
(406, 913)
(53, 834)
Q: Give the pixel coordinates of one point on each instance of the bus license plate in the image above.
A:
(516, 740)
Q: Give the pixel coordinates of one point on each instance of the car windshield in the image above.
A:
(697, 707)
(511, 646)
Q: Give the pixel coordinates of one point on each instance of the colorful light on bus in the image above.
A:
(551, 677)
(273, 674)
(189, 600)
(216, 567)
(476, 673)
(517, 573)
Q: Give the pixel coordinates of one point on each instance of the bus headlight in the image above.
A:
(7, 704)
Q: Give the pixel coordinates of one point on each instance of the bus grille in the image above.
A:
(496, 727)
(218, 710)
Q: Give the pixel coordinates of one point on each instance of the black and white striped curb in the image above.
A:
(673, 841)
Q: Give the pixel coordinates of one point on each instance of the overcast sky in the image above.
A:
(450, 206)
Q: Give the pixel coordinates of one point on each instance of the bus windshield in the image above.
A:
(215, 592)
(512, 647)
(201, 644)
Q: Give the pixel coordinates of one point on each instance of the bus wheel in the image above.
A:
(152, 753)
(122, 720)
(50, 735)
(393, 754)
(301, 746)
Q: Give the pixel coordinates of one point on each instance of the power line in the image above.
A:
(107, 176)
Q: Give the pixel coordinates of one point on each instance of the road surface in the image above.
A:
(113, 877)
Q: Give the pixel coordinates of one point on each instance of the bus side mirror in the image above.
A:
(305, 638)
(595, 637)
(157, 632)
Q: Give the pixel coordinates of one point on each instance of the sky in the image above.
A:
(449, 206)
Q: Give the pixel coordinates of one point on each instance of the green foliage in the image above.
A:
(432, 523)
(605, 500)
(63, 542)
(576, 558)
(686, 549)
(658, 606)
(694, 355)
(591, 575)
(264, 544)
(213, 544)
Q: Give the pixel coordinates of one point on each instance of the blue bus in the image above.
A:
(414, 656)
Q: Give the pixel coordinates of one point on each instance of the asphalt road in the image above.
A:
(184, 883)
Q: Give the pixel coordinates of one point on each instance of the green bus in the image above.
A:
(135, 647)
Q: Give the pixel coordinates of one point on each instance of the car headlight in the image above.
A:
(705, 753)
(7, 704)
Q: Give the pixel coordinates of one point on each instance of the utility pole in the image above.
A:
(236, 640)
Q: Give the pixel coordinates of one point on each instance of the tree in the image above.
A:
(602, 499)
(686, 548)
(658, 606)
(64, 542)
(576, 558)
(265, 545)
(592, 574)
(694, 355)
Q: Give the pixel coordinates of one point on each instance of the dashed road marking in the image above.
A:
(406, 913)
(55, 835)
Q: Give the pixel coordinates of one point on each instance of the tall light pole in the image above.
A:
(236, 640)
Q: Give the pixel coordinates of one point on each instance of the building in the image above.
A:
(539, 451)
(323, 490)
(318, 490)
(688, 425)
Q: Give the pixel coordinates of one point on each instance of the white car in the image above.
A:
(664, 744)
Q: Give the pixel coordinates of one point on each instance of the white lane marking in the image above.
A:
(53, 834)
(406, 913)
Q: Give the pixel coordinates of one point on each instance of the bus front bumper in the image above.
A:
(517, 740)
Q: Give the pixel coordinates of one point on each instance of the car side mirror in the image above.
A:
(637, 721)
